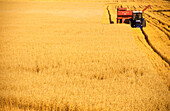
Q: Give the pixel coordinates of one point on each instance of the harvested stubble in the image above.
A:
(54, 60)
(157, 32)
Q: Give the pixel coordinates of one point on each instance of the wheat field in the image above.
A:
(66, 56)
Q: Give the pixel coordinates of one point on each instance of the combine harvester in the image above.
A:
(134, 18)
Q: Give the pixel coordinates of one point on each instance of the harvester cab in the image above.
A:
(137, 19)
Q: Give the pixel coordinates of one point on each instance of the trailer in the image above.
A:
(123, 15)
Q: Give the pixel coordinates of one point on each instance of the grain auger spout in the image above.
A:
(146, 8)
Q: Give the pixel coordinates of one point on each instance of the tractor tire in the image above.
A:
(130, 23)
(144, 23)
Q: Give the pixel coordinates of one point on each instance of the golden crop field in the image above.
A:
(64, 55)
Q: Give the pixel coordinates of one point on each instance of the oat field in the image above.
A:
(64, 55)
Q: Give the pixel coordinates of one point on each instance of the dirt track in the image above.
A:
(61, 56)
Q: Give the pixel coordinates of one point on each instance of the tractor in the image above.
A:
(137, 19)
